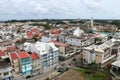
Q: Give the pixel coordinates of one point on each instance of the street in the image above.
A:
(51, 70)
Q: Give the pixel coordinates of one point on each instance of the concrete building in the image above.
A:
(115, 69)
(79, 38)
(62, 47)
(5, 71)
(25, 64)
(47, 52)
(11, 49)
(36, 65)
(46, 39)
(99, 53)
(78, 32)
(5, 68)
(14, 59)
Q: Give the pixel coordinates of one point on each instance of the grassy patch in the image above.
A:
(70, 75)
(92, 76)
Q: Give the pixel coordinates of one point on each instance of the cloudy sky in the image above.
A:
(59, 9)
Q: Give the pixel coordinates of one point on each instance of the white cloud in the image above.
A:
(93, 4)
(53, 8)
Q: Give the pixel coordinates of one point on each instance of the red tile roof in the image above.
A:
(2, 53)
(29, 34)
(11, 48)
(52, 40)
(14, 56)
(59, 43)
(34, 29)
(56, 31)
(23, 55)
(34, 56)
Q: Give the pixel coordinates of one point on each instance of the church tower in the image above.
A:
(91, 22)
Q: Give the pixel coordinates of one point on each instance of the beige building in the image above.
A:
(14, 63)
(101, 54)
(61, 47)
(36, 65)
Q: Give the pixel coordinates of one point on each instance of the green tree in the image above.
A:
(47, 26)
(93, 66)
(96, 39)
(110, 37)
(47, 79)
(36, 38)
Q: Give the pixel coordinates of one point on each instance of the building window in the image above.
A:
(97, 55)
(6, 73)
(44, 55)
(14, 70)
(84, 55)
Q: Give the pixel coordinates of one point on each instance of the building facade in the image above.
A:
(36, 65)
(25, 64)
(101, 54)
(5, 71)
(47, 52)
(14, 63)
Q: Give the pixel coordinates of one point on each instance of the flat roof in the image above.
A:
(116, 63)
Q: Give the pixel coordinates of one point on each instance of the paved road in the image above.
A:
(49, 71)
(68, 61)
(42, 76)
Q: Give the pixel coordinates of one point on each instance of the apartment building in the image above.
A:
(99, 53)
(14, 59)
(36, 65)
(5, 70)
(47, 52)
(25, 64)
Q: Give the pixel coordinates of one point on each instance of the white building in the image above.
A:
(46, 39)
(100, 53)
(48, 53)
(115, 68)
(78, 32)
(5, 71)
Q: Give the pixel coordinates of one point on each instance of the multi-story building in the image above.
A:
(115, 68)
(25, 64)
(14, 59)
(11, 49)
(79, 38)
(62, 48)
(36, 65)
(5, 70)
(99, 53)
(47, 52)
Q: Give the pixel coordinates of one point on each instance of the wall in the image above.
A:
(4, 70)
(62, 50)
(73, 41)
